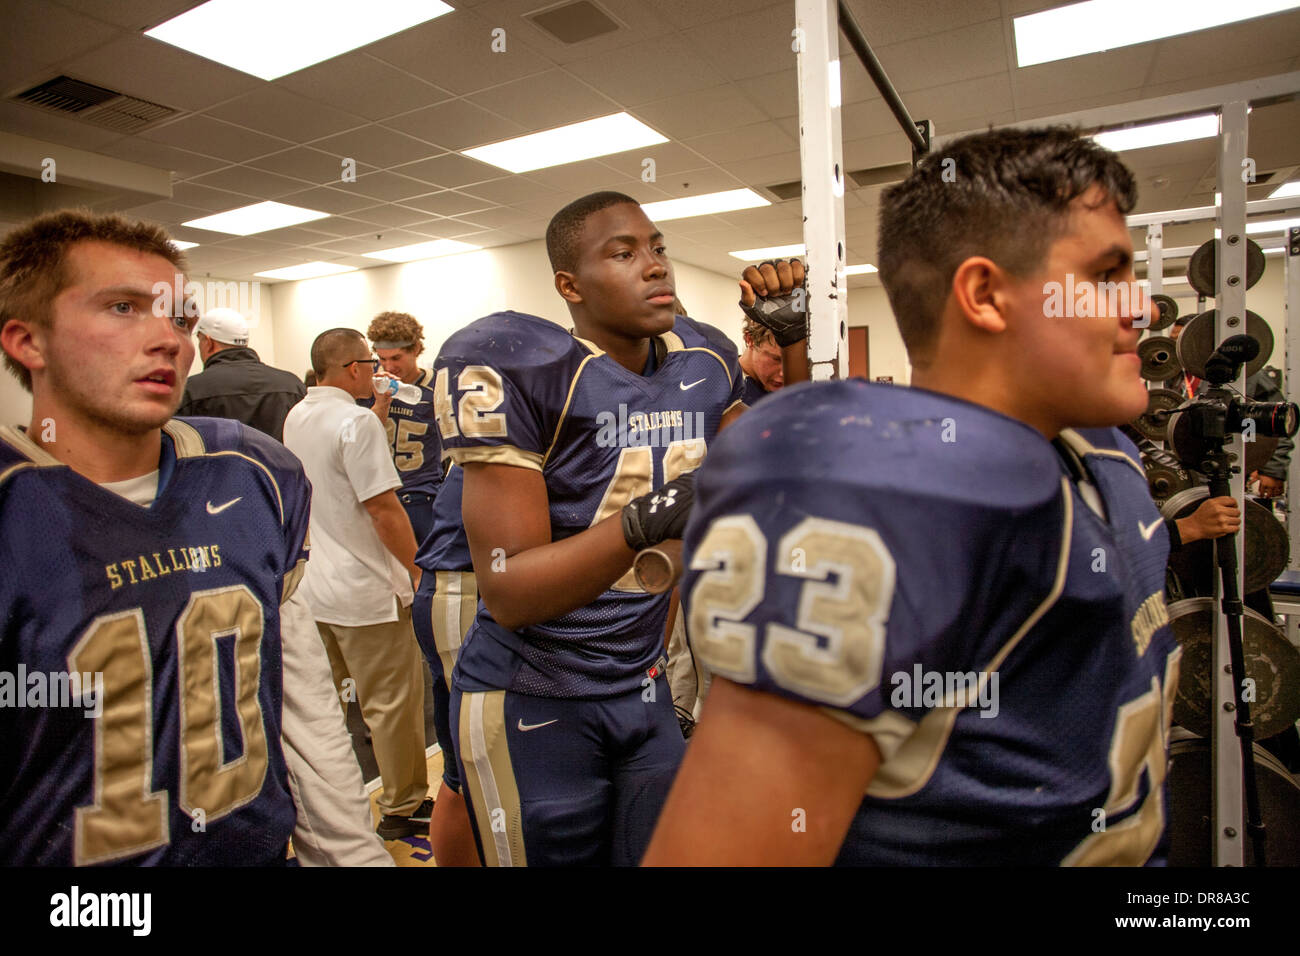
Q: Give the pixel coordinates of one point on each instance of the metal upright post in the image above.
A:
(1230, 300)
(1155, 272)
(817, 43)
(1291, 305)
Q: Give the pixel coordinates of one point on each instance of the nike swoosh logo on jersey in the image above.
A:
(527, 727)
(684, 387)
(1149, 530)
(220, 508)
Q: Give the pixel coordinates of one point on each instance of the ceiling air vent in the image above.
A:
(573, 22)
(95, 104)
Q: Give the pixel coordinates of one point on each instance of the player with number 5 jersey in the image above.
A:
(577, 449)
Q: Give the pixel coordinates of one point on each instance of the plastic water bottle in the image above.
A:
(410, 394)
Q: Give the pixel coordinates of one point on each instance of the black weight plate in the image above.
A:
(1150, 423)
(1164, 310)
(1200, 268)
(1196, 342)
(1159, 358)
(1191, 785)
(1271, 662)
(1266, 549)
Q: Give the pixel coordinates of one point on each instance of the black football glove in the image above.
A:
(785, 316)
(659, 515)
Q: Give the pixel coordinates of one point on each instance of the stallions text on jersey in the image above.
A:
(926, 571)
(167, 748)
(519, 390)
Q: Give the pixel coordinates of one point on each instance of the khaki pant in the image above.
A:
(385, 663)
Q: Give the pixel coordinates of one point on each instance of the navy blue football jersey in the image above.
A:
(446, 548)
(928, 571)
(172, 755)
(519, 390)
(754, 391)
(413, 438)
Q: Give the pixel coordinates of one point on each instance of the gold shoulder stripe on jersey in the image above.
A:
(917, 758)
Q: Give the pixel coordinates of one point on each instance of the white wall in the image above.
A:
(447, 293)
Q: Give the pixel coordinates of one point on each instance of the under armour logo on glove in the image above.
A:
(659, 515)
(667, 500)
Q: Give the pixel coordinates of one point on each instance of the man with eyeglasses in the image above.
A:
(359, 582)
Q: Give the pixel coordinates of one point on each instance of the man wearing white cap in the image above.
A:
(234, 382)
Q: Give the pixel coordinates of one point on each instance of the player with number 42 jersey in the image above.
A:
(519, 390)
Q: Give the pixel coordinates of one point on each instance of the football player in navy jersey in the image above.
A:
(444, 608)
(156, 559)
(577, 449)
(398, 340)
(935, 614)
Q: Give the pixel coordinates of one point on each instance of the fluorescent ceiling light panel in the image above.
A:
(182, 244)
(1160, 134)
(259, 217)
(703, 205)
(1271, 225)
(568, 144)
(862, 270)
(308, 270)
(276, 38)
(422, 250)
(1097, 25)
(771, 252)
(1286, 191)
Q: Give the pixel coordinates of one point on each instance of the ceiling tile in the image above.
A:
(548, 99)
(703, 111)
(182, 162)
(46, 33)
(446, 203)
(455, 53)
(214, 138)
(203, 196)
(390, 214)
(342, 226)
(586, 176)
(643, 74)
(745, 142)
(159, 72)
(312, 165)
(281, 113)
(457, 124)
(389, 186)
(361, 84)
(327, 199)
(511, 190)
(767, 170)
(376, 146)
(1100, 73)
(138, 15)
(891, 22)
(777, 94)
(948, 57)
(250, 182)
(165, 213)
(747, 46)
(498, 217)
(450, 170)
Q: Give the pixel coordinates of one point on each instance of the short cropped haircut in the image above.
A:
(565, 228)
(396, 327)
(1003, 194)
(329, 348)
(33, 262)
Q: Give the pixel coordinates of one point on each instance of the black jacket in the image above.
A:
(236, 384)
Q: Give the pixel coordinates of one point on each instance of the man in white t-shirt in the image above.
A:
(358, 583)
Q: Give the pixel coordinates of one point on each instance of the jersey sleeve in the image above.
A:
(295, 500)
(500, 389)
(821, 571)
